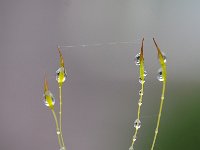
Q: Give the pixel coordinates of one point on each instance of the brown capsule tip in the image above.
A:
(61, 57)
(59, 51)
(45, 83)
(155, 42)
(141, 51)
(158, 49)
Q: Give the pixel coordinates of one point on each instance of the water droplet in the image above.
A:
(139, 103)
(159, 76)
(140, 92)
(164, 57)
(137, 124)
(58, 132)
(131, 148)
(156, 131)
(145, 73)
(48, 96)
(134, 139)
(137, 59)
(141, 81)
(61, 75)
(62, 148)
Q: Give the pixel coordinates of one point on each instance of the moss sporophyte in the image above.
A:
(162, 75)
(139, 61)
(49, 99)
(61, 76)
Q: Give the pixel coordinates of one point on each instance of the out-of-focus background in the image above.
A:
(101, 91)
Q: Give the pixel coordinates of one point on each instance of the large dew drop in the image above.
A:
(160, 75)
(61, 75)
(137, 59)
(48, 95)
(137, 124)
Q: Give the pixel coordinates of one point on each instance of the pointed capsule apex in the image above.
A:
(61, 57)
(158, 49)
(160, 55)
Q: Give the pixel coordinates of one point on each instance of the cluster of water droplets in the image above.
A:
(137, 59)
(137, 63)
(159, 75)
(48, 94)
(61, 70)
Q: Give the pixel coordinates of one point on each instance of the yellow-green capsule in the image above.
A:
(61, 74)
(49, 99)
(162, 60)
(142, 71)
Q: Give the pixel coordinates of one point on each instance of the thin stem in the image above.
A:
(60, 116)
(57, 128)
(138, 113)
(140, 100)
(134, 137)
(159, 115)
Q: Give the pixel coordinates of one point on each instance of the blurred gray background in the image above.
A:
(101, 91)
